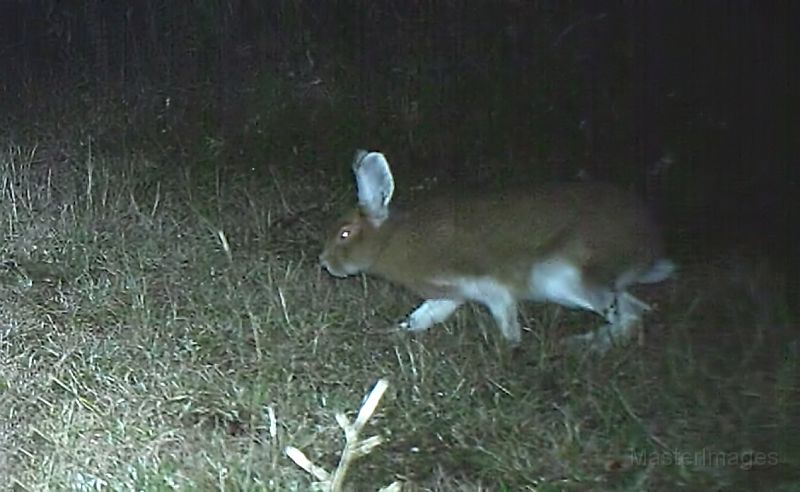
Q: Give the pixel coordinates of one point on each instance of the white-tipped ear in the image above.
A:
(375, 184)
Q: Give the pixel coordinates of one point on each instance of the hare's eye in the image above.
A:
(348, 231)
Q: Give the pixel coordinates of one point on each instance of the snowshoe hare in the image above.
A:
(580, 245)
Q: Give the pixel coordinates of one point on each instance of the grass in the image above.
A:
(172, 331)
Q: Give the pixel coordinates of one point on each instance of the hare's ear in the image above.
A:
(375, 184)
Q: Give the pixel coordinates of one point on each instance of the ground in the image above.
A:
(173, 330)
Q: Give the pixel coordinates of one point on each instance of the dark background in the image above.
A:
(692, 103)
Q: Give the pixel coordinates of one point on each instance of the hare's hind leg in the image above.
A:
(560, 281)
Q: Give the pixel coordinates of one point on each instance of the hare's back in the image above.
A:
(476, 231)
(538, 218)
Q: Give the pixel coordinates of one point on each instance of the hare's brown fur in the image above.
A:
(579, 244)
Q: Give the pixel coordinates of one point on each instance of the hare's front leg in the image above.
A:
(501, 302)
(505, 314)
(429, 313)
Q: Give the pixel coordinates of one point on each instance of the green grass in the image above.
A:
(173, 331)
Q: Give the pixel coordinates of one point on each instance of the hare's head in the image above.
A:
(358, 237)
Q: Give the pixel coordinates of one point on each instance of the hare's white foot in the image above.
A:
(624, 316)
(429, 313)
(604, 338)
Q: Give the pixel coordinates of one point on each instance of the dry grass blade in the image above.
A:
(306, 464)
(354, 446)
